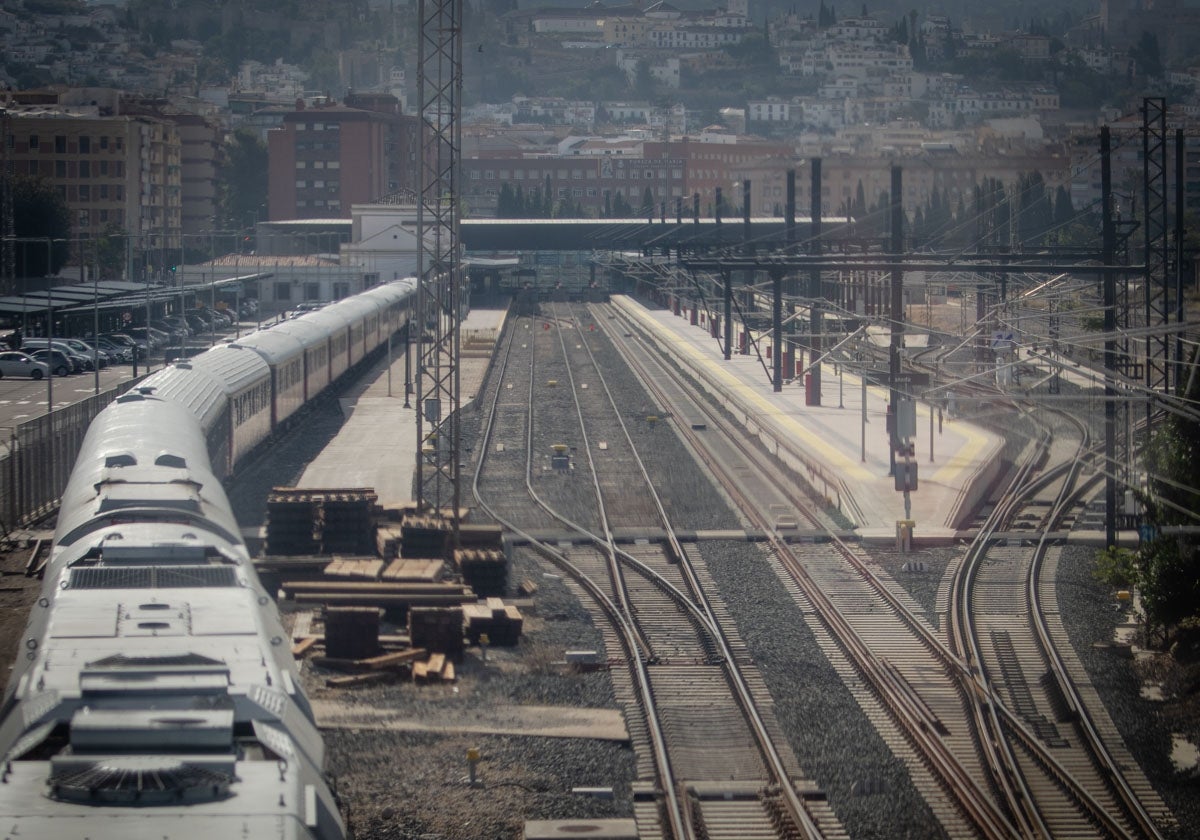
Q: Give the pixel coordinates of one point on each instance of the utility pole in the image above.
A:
(1108, 245)
(896, 311)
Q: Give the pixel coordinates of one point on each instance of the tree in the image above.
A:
(242, 200)
(1169, 565)
(648, 202)
(1146, 55)
(39, 212)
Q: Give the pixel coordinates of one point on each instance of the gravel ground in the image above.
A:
(833, 740)
(1090, 616)
(410, 785)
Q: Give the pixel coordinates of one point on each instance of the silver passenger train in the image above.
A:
(155, 694)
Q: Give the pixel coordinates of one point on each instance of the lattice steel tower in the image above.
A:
(439, 268)
(1159, 301)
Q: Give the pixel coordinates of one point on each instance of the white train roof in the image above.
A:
(238, 368)
(143, 452)
(274, 346)
(201, 392)
(306, 333)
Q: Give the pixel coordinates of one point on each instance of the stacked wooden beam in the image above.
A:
(327, 521)
(437, 629)
(500, 622)
(388, 540)
(424, 536)
(377, 593)
(416, 571)
(351, 632)
(291, 523)
(348, 524)
(438, 668)
(485, 570)
(367, 568)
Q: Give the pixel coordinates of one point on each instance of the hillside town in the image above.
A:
(140, 114)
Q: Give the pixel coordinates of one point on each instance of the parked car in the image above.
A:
(77, 361)
(131, 344)
(248, 309)
(154, 338)
(178, 322)
(16, 363)
(88, 352)
(174, 333)
(198, 324)
(117, 353)
(54, 360)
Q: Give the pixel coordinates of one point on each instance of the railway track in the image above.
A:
(709, 761)
(1033, 788)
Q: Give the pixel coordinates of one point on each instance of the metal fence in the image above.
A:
(39, 457)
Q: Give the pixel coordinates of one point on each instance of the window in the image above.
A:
(60, 144)
(318, 184)
(85, 169)
(103, 169)
(318, 164)
(104, 142)
(301, 183)
(301, 164)
(60, 169)
(312, 291)
(120, 193)
(120, 173)
(333, 164)
(33, 142)
(85, 192)
(85, 145)
(283, 291)
(103, 192)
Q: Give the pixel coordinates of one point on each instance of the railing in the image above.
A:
(39, 455)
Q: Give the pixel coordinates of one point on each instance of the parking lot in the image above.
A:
(24, 399)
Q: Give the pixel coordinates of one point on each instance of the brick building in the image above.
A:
(323, 159)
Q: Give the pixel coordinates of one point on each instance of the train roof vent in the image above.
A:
(149, 577)
(108, 577)
(135, 396)
(142, 731)
(120, 459)
(183, 577)
(168, 460)
(139, 780)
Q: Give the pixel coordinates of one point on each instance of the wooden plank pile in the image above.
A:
(388, 540)
(375, 669)
(481, 559)
(328, 521)
(351, 632)
(500, 622)
(416, 571)
(399, 596)
(485, 570)
(439, 629)
(438, 668)
(365, 568)
(423, 535)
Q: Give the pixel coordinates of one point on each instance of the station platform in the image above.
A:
(838, 447)
(377, 445)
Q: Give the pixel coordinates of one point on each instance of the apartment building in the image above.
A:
(325, 158)
(121, 171)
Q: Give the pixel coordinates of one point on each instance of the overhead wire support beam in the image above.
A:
(439, 299)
